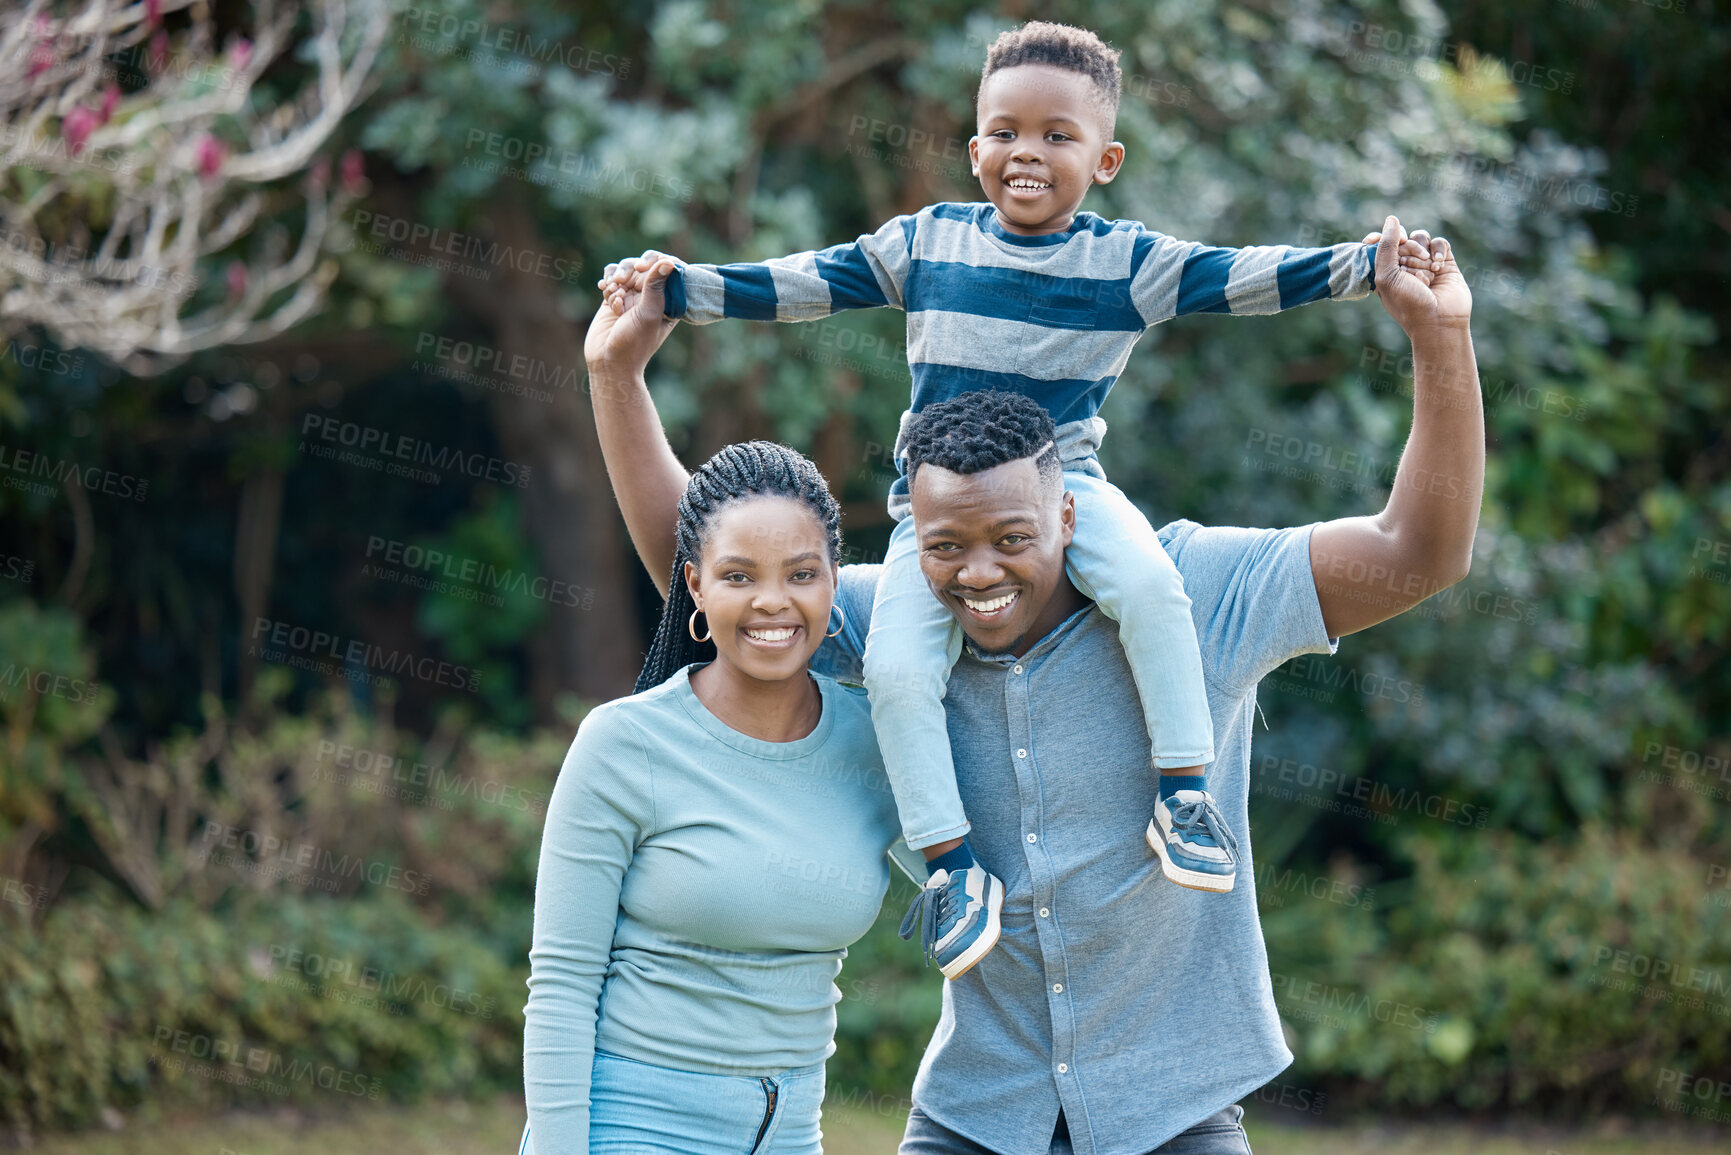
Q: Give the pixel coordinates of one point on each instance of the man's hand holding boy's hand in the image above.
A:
(1424, 293)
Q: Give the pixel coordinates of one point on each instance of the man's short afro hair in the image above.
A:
(1062, 46)
(982, 430)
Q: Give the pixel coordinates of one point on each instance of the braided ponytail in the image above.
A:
(741, 471)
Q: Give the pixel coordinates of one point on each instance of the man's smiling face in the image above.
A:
(991, 546)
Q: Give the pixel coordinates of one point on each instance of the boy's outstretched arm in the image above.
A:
(867, 273)
(648, 480)
(1176, 278)
(1368, 569)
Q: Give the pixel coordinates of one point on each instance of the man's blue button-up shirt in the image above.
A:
(1136, 1006)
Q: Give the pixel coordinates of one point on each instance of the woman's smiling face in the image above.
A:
(765, 585)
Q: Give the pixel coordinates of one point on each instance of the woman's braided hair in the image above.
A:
(741, 471)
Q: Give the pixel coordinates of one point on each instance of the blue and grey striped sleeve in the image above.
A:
(1172, 278)
(866, 274)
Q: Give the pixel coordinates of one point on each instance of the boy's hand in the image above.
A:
(1420, 293)
(621, 282)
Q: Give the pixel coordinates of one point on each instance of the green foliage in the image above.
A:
(1589, 633)
(286, 1000)
(481, 621)
(1511, 973)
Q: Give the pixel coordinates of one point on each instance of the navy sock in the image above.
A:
(958, 858)
(1170, 784)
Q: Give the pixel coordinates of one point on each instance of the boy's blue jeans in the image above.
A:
(1116, 558)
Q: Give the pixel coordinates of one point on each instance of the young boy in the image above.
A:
(1025, 294)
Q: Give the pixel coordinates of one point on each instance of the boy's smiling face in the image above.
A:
(1042, 145)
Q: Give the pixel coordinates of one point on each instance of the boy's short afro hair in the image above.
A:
(1062, 46)
(982, 430)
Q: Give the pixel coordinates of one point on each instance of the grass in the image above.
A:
(492, 1128)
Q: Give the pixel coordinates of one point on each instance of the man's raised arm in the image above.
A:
(648, 480)
(1369, 569)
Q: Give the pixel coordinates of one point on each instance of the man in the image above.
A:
(1120, 1014)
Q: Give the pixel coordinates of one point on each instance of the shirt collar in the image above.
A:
(1039, 648)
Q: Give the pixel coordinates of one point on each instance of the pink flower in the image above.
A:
(77, 127)
(236, 278)
(210, 155)
(157, 54)
(153, 12)
(110, 101)
(354, 172)
(241, 52)
(42, 55)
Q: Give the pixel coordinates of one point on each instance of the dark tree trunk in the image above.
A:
(572, 517)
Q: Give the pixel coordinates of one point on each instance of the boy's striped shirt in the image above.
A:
(1052, 317)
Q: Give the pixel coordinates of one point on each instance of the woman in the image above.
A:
(713, 844)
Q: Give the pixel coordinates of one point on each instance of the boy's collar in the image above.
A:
(989, 221)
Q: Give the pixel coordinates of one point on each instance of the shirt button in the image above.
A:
(1033, 837)
(1044, 913)
(1016, 670)
(1063, 1068)
(1021, 753)
(1057, 988)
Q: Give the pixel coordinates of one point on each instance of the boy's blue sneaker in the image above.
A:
(958, 920)
(1195, 847)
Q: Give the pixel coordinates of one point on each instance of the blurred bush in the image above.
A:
(282, 908)
(280, 999)
(1509, 973)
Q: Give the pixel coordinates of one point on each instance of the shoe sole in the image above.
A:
(964, 962)
(1190, 879)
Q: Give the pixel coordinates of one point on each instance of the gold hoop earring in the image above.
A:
(835, 609)
(691, 628)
